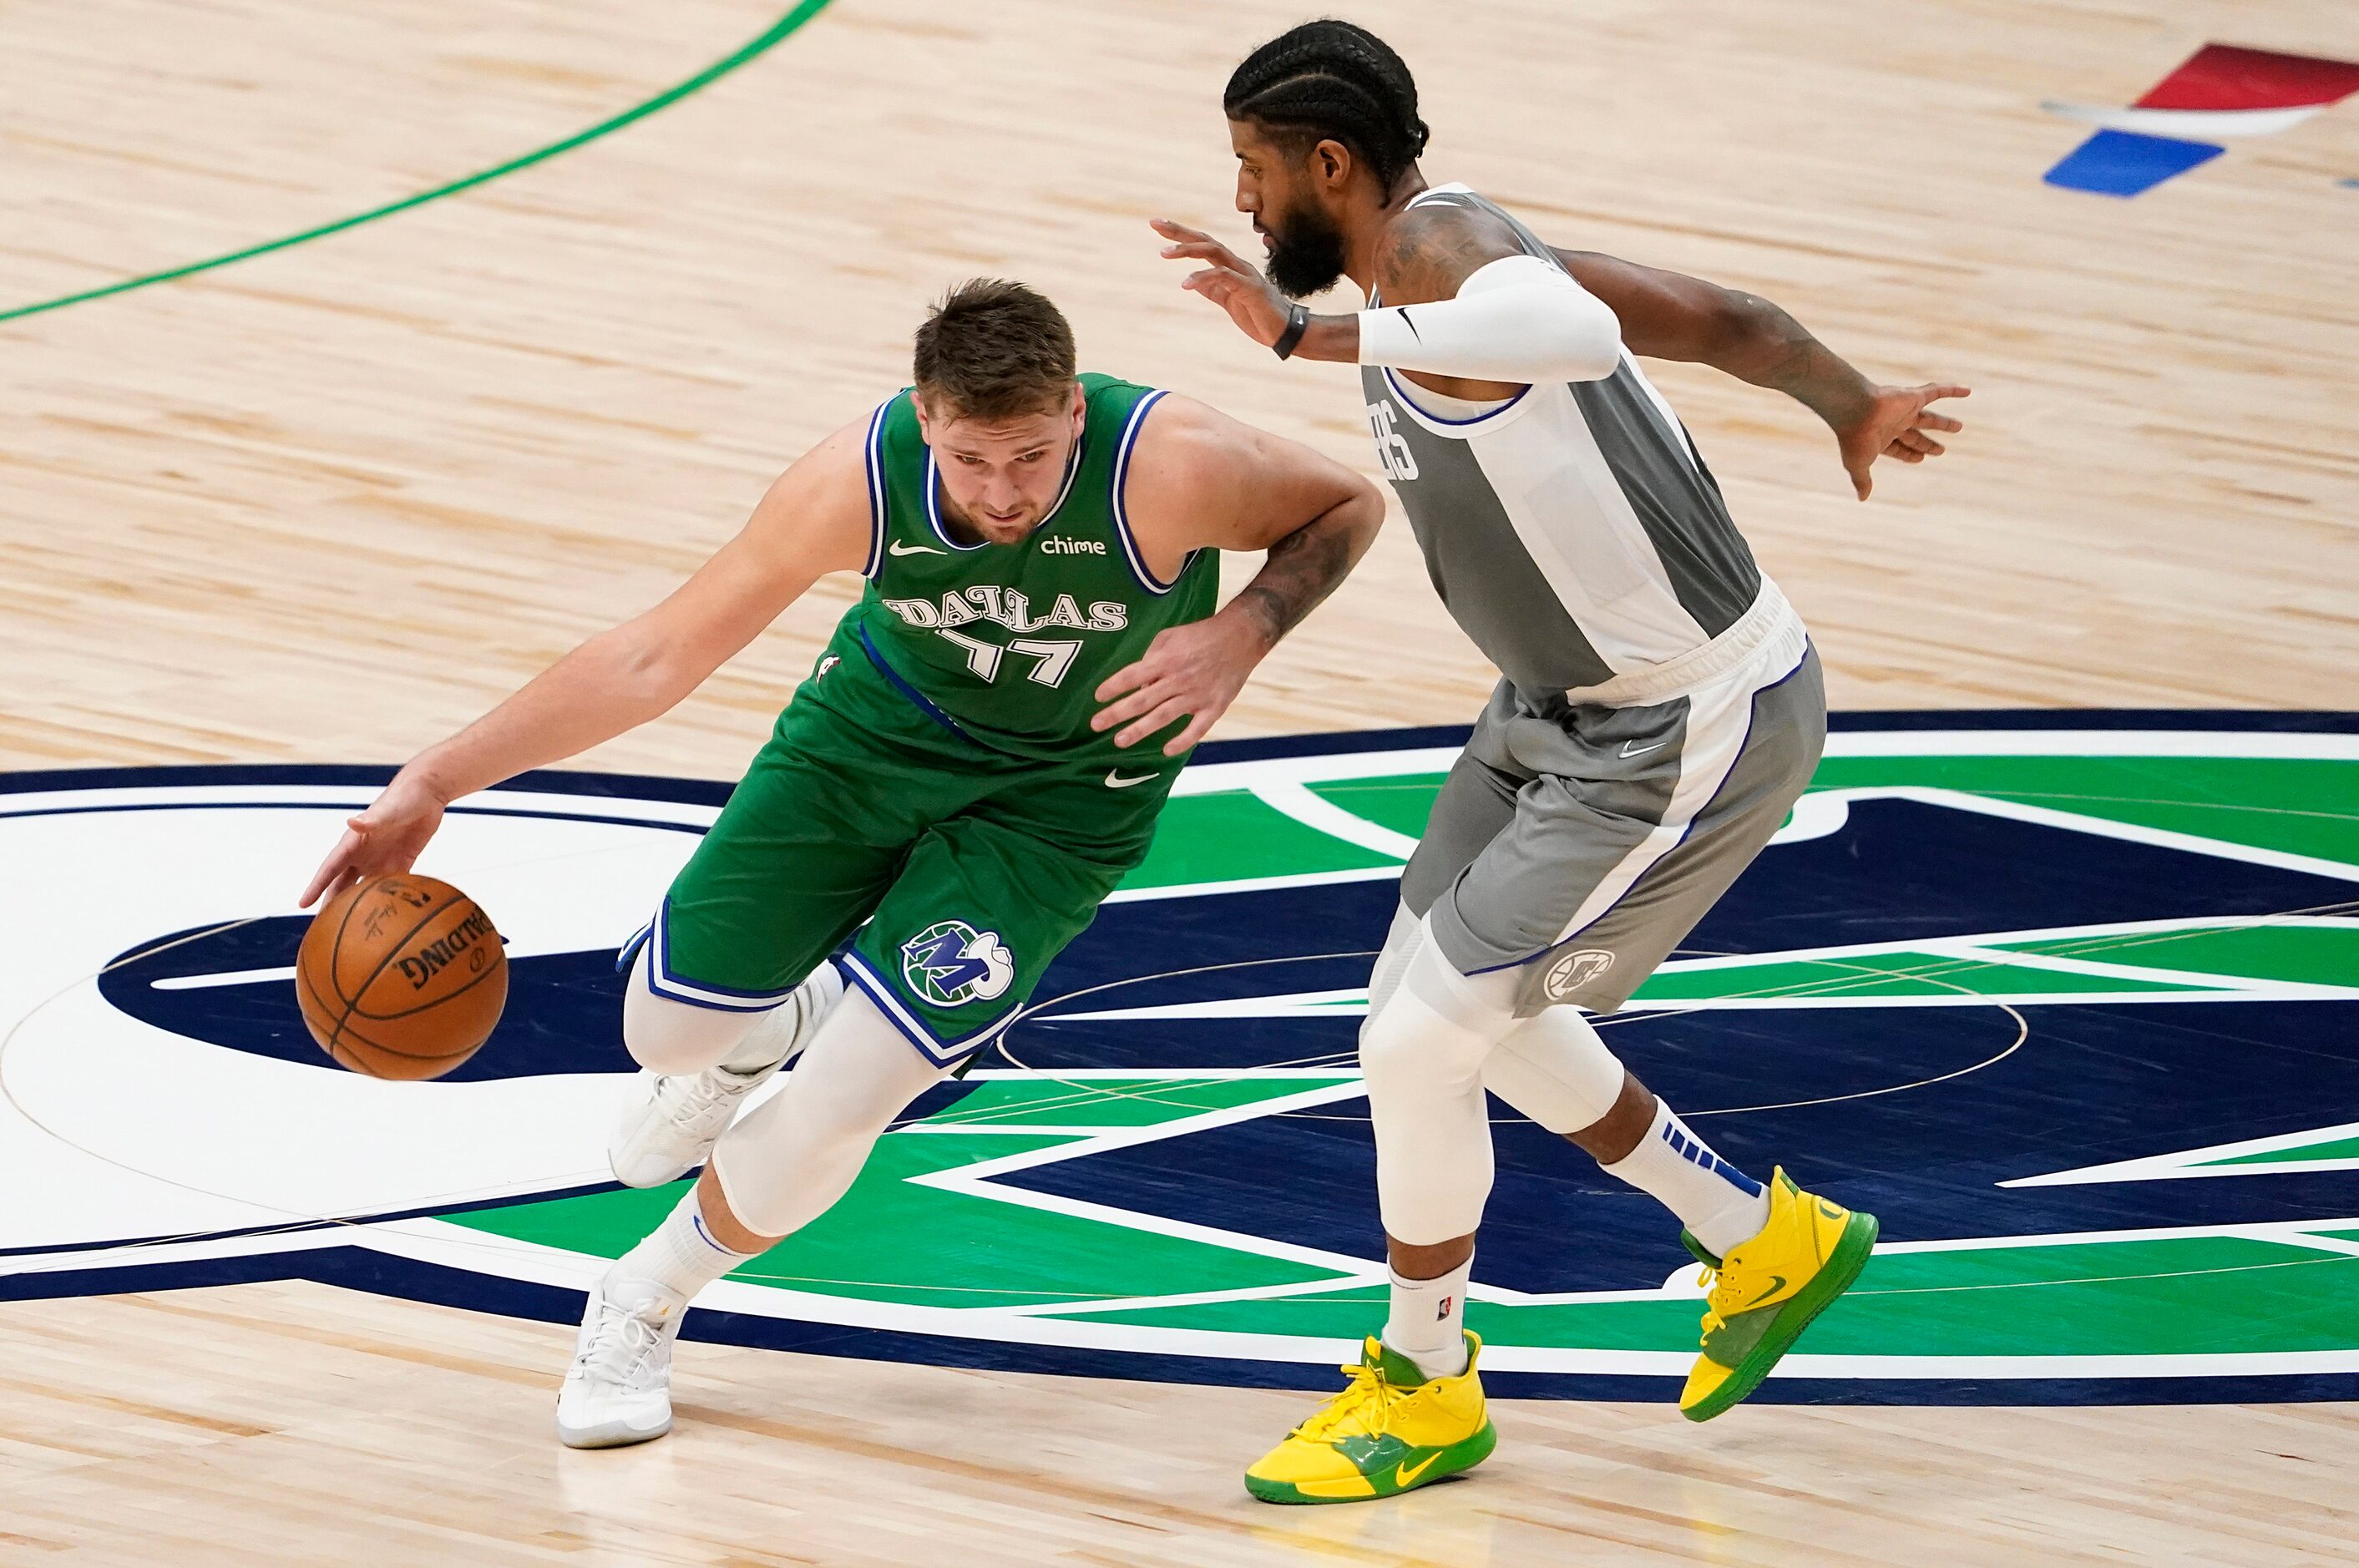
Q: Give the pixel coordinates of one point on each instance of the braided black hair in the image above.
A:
(1330, 78)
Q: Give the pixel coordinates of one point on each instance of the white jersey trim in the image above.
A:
(665, 981)
(1481, 424)
(934, 496)
(1771, 618)
(876, 504)
(922, 1037)
(1130, 549)
(1719, 727)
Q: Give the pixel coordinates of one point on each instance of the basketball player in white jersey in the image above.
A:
(1660, 711)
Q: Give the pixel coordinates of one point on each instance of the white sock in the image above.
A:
(1429, 1321)
(1720, 1204)
(786, 1029)
(679, 1254)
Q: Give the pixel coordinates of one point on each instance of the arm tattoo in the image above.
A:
(1302, 568)
(1788, 359)
(1429, 250)
(1667, 316)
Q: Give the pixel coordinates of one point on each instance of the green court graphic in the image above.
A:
(933, 1240)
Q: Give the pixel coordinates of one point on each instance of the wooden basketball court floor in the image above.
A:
(318, 505)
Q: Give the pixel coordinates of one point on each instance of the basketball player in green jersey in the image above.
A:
(960, 781)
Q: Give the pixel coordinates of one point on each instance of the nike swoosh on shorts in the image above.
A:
(1116, 781)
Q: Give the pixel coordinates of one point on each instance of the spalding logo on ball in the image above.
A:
(401, 977)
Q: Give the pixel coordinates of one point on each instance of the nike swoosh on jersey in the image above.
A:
(1405, 1475)
(1116, 781)
(898, 547)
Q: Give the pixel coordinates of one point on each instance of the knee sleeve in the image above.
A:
(1422, 1055)
(1555, 1070)
(785, 1161)
(665, 1036)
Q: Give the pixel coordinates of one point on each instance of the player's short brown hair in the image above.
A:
(994, 350)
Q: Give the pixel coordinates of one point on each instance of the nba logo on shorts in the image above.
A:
(950, 964)
(1574, 970)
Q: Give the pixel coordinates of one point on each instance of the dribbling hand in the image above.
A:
(1227, 280)
(386, 838)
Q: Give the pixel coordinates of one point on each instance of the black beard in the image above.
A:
(1306, 252)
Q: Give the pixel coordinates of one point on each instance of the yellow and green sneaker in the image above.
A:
(1392, 1430)
(1768, 1289)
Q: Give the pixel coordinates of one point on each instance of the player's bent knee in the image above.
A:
(786, 1162)
(1555, 1070)
(1404, 1052)
(1424, 1075)
(1426, 1039)
(665, 1036)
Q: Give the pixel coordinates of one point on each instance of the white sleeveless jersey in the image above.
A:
(1573, 531)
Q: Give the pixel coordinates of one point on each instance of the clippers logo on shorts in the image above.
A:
(1574, 970)
(950, 964)
(2070, 1002)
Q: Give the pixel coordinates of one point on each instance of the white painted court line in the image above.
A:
(1313, 810)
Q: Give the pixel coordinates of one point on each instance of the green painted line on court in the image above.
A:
(1232, 834)
(2187, 1296)
(1401, 804)
(1900, 973)
(2313, 954)
(768, 39)
(2299, 805)
(2332, 1148)
(895, 1239)
(1113, 1103)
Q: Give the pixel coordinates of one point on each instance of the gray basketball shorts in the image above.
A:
(1582, 843)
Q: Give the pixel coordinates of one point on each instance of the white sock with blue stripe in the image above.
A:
(1720, 1204)
(679, 1254)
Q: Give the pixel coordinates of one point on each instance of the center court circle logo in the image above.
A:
(2070, 1003)
(950, 964)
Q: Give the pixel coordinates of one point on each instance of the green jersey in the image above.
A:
(934, 795)
(1007, 644)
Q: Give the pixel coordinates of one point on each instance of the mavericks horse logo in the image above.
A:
(950, 963)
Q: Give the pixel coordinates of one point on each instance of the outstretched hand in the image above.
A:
(1894, 424)
(1227, 280)
(385, 839)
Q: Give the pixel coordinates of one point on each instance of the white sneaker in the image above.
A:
(618, 1389)
(672, 1121)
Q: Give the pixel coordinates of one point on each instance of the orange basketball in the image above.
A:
(401, 977)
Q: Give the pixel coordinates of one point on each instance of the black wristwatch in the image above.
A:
(1298, 322)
